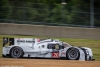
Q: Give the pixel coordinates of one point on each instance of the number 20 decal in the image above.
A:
(55, 55)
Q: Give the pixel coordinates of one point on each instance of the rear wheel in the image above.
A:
(72, 54)
(16, 52)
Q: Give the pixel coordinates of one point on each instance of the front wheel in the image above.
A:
(16, 52)
(72, 54)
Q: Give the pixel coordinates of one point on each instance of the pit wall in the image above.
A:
(50, 31)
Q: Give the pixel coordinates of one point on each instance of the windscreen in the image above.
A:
(66, 44)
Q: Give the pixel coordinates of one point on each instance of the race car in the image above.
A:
(44, 48)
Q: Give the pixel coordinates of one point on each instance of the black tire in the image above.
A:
(72, 54)
(16, 52)
(90, 58)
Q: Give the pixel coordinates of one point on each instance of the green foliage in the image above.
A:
(75, 12)
(55, 15)
(4, 9)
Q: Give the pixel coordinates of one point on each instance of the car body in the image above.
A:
(44, 48)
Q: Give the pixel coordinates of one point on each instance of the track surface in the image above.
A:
(10, 62)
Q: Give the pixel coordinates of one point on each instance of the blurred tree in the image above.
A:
(75, 12)
(80, 12)
(97, 13)
(55, 15)
(4, 9)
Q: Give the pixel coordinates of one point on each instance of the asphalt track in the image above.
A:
(11, 62)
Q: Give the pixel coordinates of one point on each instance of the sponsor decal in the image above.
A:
(63, 53)
(55, 54)
(18, 42)
(38, 40)
(25, 41)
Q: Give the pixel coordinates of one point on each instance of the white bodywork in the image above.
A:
(33, 47)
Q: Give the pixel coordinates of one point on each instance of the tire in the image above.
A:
(16, 52)
(72, 54)
(90, 58)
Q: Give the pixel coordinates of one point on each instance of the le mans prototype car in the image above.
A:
(44, 48)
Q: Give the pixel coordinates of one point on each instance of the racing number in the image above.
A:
(55, 55)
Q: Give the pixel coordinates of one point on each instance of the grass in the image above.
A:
(93, 44)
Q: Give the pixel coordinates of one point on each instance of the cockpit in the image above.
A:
(55, 46)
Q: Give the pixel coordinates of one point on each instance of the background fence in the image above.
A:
(50, 14)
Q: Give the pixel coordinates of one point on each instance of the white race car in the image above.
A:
(44, 48)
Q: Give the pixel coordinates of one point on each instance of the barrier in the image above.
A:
(51, 31)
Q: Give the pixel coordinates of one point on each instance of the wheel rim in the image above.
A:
(16, 53)
(73, 54)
